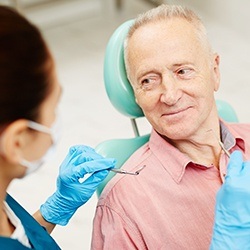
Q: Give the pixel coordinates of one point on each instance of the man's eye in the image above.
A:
(183, 71)
(150, 82)
(146, 81)
(186, 73)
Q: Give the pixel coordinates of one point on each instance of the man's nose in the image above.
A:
(171, 92)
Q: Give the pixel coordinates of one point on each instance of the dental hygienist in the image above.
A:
(29, 95)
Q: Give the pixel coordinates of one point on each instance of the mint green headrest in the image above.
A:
(118, 88)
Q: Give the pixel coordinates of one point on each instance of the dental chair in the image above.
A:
(121, 95)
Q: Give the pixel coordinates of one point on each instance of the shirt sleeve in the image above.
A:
(111, 230)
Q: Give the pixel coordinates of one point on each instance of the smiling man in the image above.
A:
(174, 74)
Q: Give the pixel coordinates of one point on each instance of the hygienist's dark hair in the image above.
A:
(26, 68)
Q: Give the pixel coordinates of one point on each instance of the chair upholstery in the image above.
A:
(121, 95)
(118, 88)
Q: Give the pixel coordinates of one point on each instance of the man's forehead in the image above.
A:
(177, 24)
(161, 35)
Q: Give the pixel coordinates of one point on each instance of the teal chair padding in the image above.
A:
(118, 88)
(121, 95)
(226, 111)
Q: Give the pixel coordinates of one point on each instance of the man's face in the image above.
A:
(174, 77)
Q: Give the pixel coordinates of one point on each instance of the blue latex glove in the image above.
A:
(71, 193)
(232, 213)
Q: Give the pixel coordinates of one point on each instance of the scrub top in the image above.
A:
(37, 235)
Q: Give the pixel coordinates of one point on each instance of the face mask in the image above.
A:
(54, 132)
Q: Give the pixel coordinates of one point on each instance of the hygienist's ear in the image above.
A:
(14, 140)
(216, 71)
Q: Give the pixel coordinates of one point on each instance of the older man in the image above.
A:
(170, 205)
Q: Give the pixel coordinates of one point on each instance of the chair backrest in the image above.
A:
(118, 88)
(121, 95)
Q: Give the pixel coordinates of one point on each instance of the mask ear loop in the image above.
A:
(39, 127)
(54, 131)
(34, 165)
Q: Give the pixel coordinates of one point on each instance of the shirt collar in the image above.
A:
(230, 138)
(175, 162)
(172, 160)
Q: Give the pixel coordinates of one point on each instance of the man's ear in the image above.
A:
(216, 71)
(13, 140)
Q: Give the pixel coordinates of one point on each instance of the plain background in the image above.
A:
(77, 33)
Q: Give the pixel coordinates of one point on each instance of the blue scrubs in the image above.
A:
(37, 235)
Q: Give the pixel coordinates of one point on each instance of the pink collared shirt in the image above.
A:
(170, 204)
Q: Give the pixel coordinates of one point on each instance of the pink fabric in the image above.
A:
(170, 204)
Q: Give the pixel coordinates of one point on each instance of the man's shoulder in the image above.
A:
(239, 127)
(122, 184)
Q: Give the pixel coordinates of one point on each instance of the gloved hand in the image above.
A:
(232, 212)
(71, 193)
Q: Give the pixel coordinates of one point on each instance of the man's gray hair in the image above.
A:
(167, 12)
